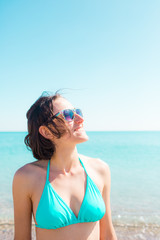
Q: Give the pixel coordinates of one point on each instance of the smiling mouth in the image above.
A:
(78, 128)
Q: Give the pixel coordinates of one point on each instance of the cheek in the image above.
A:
(69, 128)
(69, 124)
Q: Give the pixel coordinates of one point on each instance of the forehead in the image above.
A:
(60, 104)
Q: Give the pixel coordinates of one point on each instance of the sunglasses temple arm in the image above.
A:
(57, 114)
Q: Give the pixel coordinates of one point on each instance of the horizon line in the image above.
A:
(13, 131)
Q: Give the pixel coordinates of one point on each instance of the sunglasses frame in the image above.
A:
(73, 110)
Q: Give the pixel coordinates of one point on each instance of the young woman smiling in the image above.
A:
(67, 193)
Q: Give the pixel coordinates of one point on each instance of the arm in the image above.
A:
(107, 231)
(22, 206)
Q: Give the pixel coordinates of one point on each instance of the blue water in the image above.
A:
(134, 160)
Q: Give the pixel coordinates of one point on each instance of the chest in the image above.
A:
(54, 212)
(70, 188)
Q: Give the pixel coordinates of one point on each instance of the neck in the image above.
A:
(65, 158)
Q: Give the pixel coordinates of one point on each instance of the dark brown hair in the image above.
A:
(41, 113)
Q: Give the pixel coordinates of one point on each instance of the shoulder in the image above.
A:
(26, 176)
(28, 169)
(97, 166)
(96, 163)
(24, 172)
(21, 178)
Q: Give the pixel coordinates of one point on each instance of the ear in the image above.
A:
(44, 131)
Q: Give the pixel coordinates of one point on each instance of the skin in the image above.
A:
(66, 173)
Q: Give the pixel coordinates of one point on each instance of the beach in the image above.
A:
(123, 232)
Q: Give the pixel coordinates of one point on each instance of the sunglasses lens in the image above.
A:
(68, 114)
(79, 112)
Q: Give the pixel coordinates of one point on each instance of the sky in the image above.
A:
(104, 55)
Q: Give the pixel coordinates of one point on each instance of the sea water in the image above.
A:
(134, 161)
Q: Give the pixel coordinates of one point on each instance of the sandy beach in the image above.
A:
(123, 233)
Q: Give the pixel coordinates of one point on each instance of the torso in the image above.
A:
(66, 187)
(80, 231)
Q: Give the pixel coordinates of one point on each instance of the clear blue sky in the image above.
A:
(108, 52)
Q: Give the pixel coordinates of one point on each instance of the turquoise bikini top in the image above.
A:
(52, 212)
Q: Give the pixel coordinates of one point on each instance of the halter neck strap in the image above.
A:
(48, 167)
(83, 165)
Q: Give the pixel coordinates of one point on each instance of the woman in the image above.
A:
(67, 193)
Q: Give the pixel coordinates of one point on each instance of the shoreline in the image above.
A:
(123, 232)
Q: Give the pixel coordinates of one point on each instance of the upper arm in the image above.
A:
(106, 226)
(22, 206)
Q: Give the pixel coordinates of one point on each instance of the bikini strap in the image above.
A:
(48, 167)
(83, 165)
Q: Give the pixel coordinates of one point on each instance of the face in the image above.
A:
(77, 132)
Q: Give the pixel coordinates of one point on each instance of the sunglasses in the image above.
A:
(69, 114)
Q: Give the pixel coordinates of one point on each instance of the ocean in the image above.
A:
(134, 161)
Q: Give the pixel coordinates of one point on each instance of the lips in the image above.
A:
(78, 128)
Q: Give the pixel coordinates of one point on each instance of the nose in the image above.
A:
(78, 118)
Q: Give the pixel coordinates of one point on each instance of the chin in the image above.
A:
(76, 137)
(80, 136)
